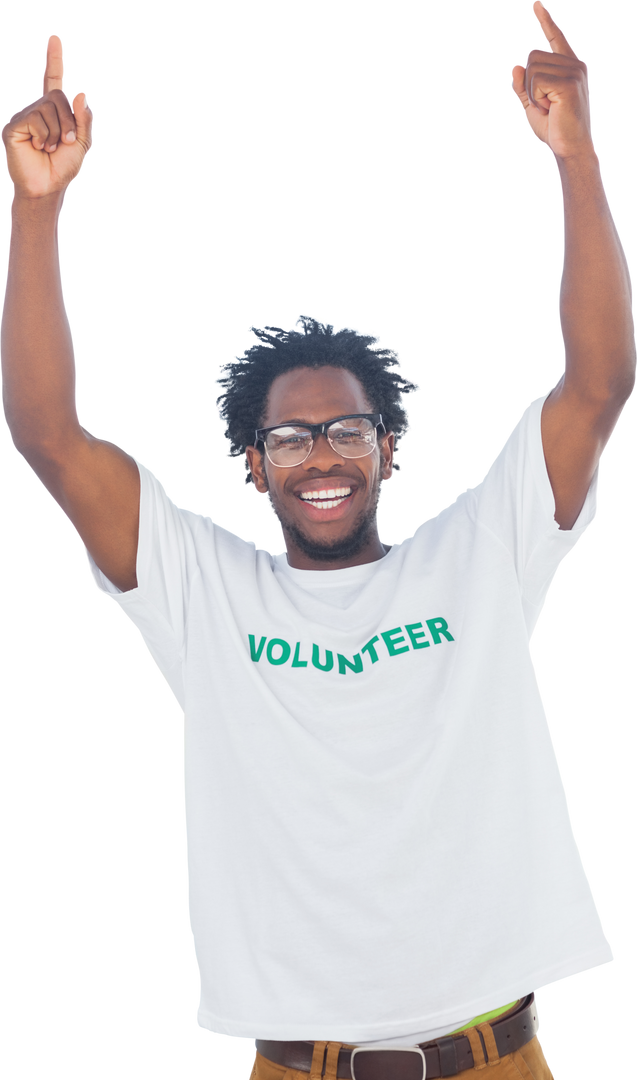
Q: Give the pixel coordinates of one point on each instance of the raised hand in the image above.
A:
(553, 89)
(46, 142)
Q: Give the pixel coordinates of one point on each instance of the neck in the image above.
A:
(301, 556)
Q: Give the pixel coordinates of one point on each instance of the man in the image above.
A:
(382, 868)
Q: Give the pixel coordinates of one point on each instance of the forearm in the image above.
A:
(37, 350)
(595, 299)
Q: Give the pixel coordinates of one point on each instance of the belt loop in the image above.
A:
(479, 1056)
(316, 1068)
(331, 1061)
(489, 1041)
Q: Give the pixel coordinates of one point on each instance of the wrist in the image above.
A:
(581, 160)
(51, 199)
(40, 213)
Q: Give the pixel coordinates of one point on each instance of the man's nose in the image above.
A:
(322, 455)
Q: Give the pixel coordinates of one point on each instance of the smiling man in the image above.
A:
(381, 863)
(324, 500)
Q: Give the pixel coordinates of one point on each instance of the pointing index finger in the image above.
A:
(54, 66)
(552, 32)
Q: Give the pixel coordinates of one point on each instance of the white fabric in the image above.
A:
(386, 852)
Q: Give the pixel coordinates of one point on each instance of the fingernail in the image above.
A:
(52, 148)
(85, 102)
(70, 136)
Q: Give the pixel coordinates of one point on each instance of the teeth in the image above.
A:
(327, 505)
(326, 494)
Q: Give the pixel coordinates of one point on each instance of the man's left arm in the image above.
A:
(595, 300)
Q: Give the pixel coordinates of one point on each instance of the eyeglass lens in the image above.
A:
(291, 444)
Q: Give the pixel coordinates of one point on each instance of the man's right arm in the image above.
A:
(94, 482)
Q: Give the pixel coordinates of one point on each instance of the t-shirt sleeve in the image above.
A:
(515, 502)
(166, 566)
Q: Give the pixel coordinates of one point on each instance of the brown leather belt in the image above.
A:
(447, 1056)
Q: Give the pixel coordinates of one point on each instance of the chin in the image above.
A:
(342, 547)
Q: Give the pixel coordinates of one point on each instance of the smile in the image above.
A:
(326, 498)
(325, 504)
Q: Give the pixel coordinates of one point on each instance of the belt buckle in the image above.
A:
(388, 1048)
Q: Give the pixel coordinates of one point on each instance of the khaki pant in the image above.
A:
(525, 1064)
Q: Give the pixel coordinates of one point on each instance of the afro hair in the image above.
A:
(248, 380)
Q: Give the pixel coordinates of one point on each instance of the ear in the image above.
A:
(386, 447)
(256, 464)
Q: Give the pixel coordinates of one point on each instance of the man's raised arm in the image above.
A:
(596, 291)
(95, 483)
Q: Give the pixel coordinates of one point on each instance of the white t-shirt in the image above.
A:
(379, 843)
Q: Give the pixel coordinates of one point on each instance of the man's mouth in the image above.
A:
(326, 498)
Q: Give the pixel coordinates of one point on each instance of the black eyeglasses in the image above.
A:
(353, 436)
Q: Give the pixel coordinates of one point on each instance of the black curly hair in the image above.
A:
(248, 380)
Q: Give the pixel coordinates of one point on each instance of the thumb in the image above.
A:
(83, 120)
(516, 78)
(516, 84)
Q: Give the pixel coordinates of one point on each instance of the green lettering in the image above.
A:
(296, 662)
(369, 648)
(255, 654)
(412, 629)
(343, 663)
(438, 627)
(391, 641)
(329, 659)
(285, 651)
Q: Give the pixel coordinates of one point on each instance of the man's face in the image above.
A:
(344, 533)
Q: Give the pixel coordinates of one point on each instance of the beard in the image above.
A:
(343, 547)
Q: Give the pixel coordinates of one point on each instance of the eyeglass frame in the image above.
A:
(315, 430)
